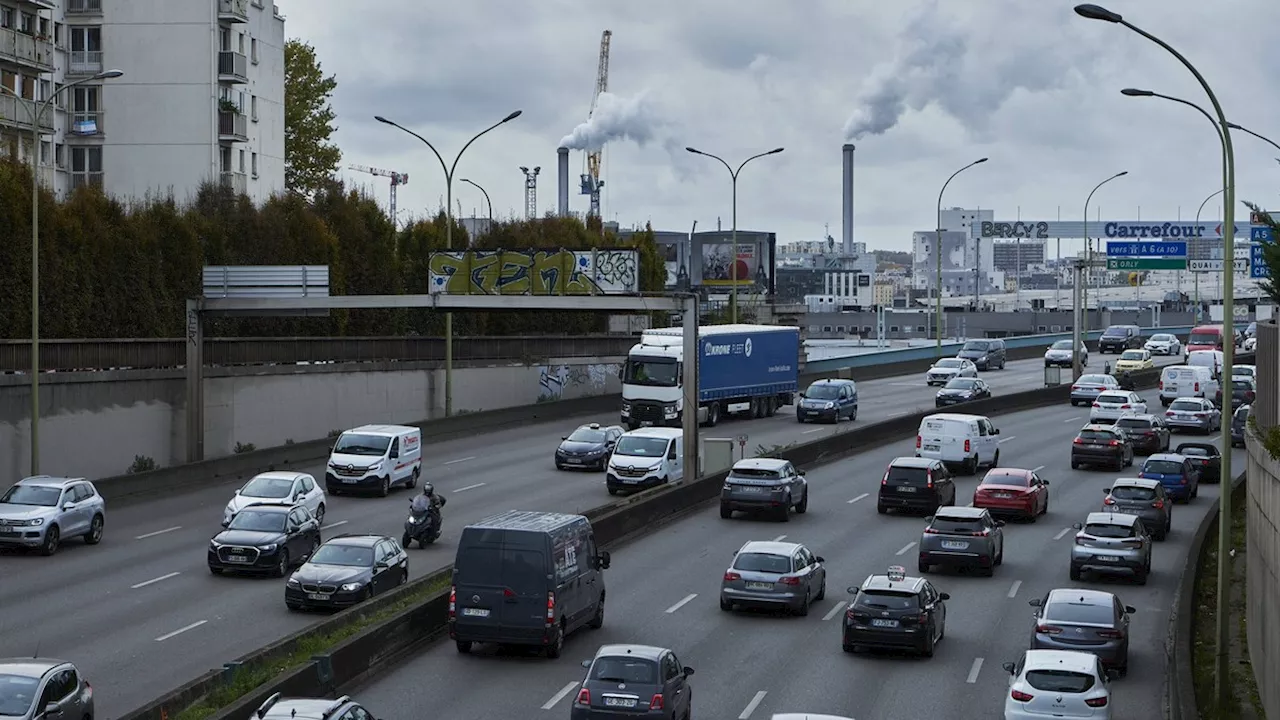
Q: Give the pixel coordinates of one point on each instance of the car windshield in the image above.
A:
(1094, 380)
(1162, 338)
(999, 477)
(977, 346)
(1059, 681)
(1203, 339)
(625, 670)
(347, 555)
(1130, 423)
(17, 694)
(1242, 385)
(1186, 406)
(657, 372)
(948, 363)
(750, 473)
(962, 526)
(1243, 371)
(1107, 530)
(1194, 451)
(1132, 355)
(32, 495)
(1114, 332)
(1079, 612)
(1162, 467)
(268, 487)
(258, 521)
(822, 392)
(1102, 435)
(887, 600)
(1130, 492)
(962, 384)
(641, 446)
(1061, 345)
(358, 444)
(1113, 398)
(587, 435)
(762, 562)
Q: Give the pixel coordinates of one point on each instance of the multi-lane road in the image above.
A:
(663, 590)
(141, 614)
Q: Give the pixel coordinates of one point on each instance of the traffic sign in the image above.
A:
(1257, 266)
(1114, 263)
(1241, 265)
(1159, 248)
(1261, 233)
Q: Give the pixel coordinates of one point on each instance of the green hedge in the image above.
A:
(111, 270)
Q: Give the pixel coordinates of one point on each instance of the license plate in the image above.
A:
(475, 612)
(8, 531)
(879, 622)
(620, 702)
(933, 448)
(750, 489)
(1106, 558)
(646, 423)
(317, 596)
(954, 545)
(351, 481)
(572, 461)
(237, 559)
(759, 586)
(906, 489)
(1003, 496)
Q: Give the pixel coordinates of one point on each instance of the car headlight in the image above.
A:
(626, 408)
(36, 522)
(351, 587)
(268, 548)
(829, 406)
(214, 545)
(293, 582)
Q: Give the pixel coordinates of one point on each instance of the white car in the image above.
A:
(1163, 344)
(1059, 354)
(1249, 372)
(1250, 344)
(1058, 683)
(278, 488)
(948, 369)
(1115, 404)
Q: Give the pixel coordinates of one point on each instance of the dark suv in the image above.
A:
(1119, 338)
(1149, 433)
(985, 354)
(916, 484)
(1102, 445)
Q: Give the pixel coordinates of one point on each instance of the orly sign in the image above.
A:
(1044, 230)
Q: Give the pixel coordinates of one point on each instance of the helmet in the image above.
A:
(428, 488)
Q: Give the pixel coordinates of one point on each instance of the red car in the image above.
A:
(1011, 491)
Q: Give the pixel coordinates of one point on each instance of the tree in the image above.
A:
(1270, 254)
(309, 158)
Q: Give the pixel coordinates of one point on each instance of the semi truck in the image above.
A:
(748, 370)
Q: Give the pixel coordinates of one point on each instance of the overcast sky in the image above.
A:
(926, 87)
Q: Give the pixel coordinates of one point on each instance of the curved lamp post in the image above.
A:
(937, 320)
(36, 113)
(448, 233)
(1221, 680)
(487, 201)
(1263, 138)
(1196, 276)
(733, 264)
(1088, 271)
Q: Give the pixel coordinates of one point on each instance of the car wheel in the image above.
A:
(413, 479)
(822, 591)
(725, 604)
(1075, 465)
(1141, 577)
(464, 646)
(51, 537)
(405, 540)
(214, 570)
(803, 505)
(995, 461)
(784, 512)
(597, 620)
(385, 488)
(404, 577)
(282, 567)
(927, 651)
(922, 567)
(94, 536)
(1000, 557)
(613, 491)
(557, 644)
(881, 509)
(725, 512)
(799, 419)
(320, 513)
(1075, 573)
(803, 610)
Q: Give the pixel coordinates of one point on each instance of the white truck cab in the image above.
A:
(374, 458)
(646, 458)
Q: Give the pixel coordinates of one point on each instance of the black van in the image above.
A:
(526, 578)
(987, 354)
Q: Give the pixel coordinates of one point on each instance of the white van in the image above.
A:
(1212, 359)
(374, 457)
(644, 458)
(961, 441)
(1187, 381)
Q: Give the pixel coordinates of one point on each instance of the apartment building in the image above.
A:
(201, 98)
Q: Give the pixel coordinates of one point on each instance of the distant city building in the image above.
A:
(1016, 257)
(884, 293)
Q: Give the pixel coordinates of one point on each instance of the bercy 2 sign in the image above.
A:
(1043, 230)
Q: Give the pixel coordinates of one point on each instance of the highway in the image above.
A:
(663, 590)
(141, 615)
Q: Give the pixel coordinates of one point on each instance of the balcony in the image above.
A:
(234, 11)
(233, 126)
(237, 181)
(85, 62)
(86, 179)
(84, 7)
(17, 113)
(233, 67)
(85, 124)
(26, 50)
(42, 4)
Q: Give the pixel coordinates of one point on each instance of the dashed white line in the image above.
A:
(904, 550)
(1013, 591)
(834, 611)
(807, 432)
(559, 696)
(333, 525)
(751, 706)
(973, 671)
(902, 384)
(153, 581)
(780, 538)
(470, 487)
(1005, 440)
(181, 630)
(1037, 468)
(1075, 418)
(683, 601)
(158, 532)
(1060, 534)
(460, 460)
(860, 497)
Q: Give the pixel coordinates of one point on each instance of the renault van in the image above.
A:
(645, 458)
(1178, 381)
(959, 441)
(374, 458)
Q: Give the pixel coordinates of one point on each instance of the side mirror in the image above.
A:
(1008, 667)
(1046, 482)
(381, 565)
(852, 590)
(1106, 491)
(299, 496)
(1077, 526)
(999, 523)
(928, 518)
(605, 560)
(820, 559)
(226, 523)
(800, 395)
(68, 506)
(1035, 602)
(800, 473)
(687, 670)
(586, 664)
(944, 596)
(1113, 674)
(997, 432)
(1129, 609)
(53, 709)
(564, 437)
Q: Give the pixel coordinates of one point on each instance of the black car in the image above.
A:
(962, 390)
(1243, 392)
(916, 484)
(1150, 433)
(347, 570)
(265, 539)
(1239, 419)
(894, 611)
(985, 354)
(1102, 445)
(1205, 458)
(1119, 338)
(588, 447)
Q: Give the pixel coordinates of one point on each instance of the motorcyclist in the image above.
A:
(428, 501)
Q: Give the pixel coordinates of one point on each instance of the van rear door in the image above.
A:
(943, 439)
(501, 586)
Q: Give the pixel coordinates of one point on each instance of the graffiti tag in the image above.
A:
(534, 272)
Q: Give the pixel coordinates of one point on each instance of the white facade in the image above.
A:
(960, 219)
(201, 99)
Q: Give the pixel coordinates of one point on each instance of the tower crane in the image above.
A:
(397, 179)
(591, 183)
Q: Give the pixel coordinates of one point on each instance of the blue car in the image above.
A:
(1179, 477)
(829, 400)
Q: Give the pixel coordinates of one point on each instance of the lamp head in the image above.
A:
(695, 151)
(1135, 92)
(513, 116)
(1097, 12)
(1122, 173)
(383, 120)
(980, 161)
(537, 169)
(774, 151)
(1234, 126)
(108, 74)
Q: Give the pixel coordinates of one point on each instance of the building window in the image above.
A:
(254, 166)
(44, 28)
(224, 158)
(224, 39)
(60, 156)
(253, 50)
(6, 17)
(60, 97)
(85, 99)
(45, 88)
(240, 42)
(253, 107)
(86, 39)
(241, 161)
(86, 166)
(45, 150)
(28, 24)
(57, 34)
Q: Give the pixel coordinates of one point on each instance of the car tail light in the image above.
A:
(1196, 388)
(1248, 395)
(930, 531)
(966, 446)
(551, 608)
(1096, 702)
(1021, 696)
(1075, 388)
(453, 602)
(928, 477)
(1126, 406)
(1078, 441)
(1168, 413)
(791, 581)
(917, 442)
(1109, 501)
(1082, 540)
(508, 593)
(1096, 404)
(1148, 433)
(1114, 443)
(1159, 504)
(1161, 385)
(584, 697)
(655, 702)
(1132, 542)
(1110, 634)
(885, 480)
(732, 577)
(1048, 629)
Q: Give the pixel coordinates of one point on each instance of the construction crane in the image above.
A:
(530, 191)
(591, 183)
(397, 179)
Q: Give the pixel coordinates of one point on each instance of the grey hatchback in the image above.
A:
(1089, 621)
(959, 537)
(1144, 497)
(1111, 543)
(43, 688)
(634, 681)
(772, 575)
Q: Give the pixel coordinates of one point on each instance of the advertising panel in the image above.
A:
(1135, 229)
(718, 261)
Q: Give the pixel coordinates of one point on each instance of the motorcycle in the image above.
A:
(423, 526)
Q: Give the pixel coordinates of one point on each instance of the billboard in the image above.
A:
(535, 272)
(713, 259)
(1135, 229)
(718, 260)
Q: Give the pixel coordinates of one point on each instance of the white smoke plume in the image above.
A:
(616, 118)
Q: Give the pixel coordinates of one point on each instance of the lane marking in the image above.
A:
(780, 538)
(1073, 419)
(1005, 440)
(1060, 534)
(973, 671)
(751, 706)
(158, 532)
(181, 630)
(807, 432)
(460, 460)
(684, 601)
(834, 611)
(153, 581)
(1013, 591)
(473, 487)
(860, 497)
(904, 550)
(332, 525)
(560, 695)
(905, 384)
(1037, 468)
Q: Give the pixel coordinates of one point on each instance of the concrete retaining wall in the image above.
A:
(1262, 572)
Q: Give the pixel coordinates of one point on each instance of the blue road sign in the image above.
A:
(1261, 233)
(1162, 248)
(1257, 266)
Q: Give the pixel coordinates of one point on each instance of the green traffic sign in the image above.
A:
(1146, 263)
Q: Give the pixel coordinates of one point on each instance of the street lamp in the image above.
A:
(1195, 276)
(448, 234)
(1221, 679)
(1084, 290)
(486, 200)
(1263, 138)
(733, 263)
(937, 321)
(36, 113)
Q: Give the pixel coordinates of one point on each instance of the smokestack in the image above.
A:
(562, 190)
(847, 196)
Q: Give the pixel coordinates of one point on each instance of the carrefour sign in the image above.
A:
(711, 349)
(1138, 229)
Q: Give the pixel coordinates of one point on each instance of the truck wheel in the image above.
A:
(771, 407)
(713, 414)
(757, 408)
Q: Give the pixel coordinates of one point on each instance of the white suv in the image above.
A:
(1057, 683)
(344, 708)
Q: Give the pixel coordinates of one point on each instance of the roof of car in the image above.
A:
(276, 508)
(1080, 596)
(1147, 483)
(29, 667)
(278, 475)
(882, 582)
(769, 547)
(1108, 518)
(1171, 457)
(1000, 472)
(277, 707)
(1193, 399)
(1061, 660)
(831, 381)
(356, 539)
(959, 512)
(648, 652)
(963, 417)
(384, 429)
(49, 481)
(1098, 427)
(1140, 416)
(761, 464)
(656, 432)
(915, 462)
(1196, 446)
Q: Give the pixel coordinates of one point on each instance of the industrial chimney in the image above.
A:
(562, 189)
(846, 243)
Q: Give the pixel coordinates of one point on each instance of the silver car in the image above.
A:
(769, 485)
(1163, 344)
(1192, 413)
(33, 688)
(1144, 497)
(961, 537)
(948, 369)
(1082, 620)
(1111, 543)
(774, 575)
(1087, 389)
(1059, 355)
(40, 511)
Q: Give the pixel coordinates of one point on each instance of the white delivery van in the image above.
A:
(374, 458)
(1187, 381)
(960, 441)
(645, 458)
(1212, 359)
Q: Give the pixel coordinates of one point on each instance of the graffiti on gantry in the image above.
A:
(535, 272)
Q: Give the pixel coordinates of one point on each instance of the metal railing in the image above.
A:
(86, 179)
(85, 62)
(233, 65)
(232, 125)
(84, 7)
(1267, 406)
(86, 124)
(233, 10)
(19, 112)
(25, 49)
